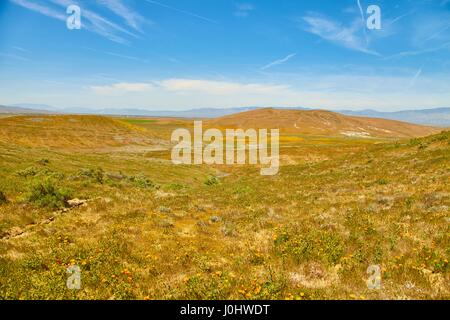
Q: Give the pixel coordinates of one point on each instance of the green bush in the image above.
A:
(414, 142)
(211, 181)
(442, 136)
(176, 186)
(43, 161)
(45, 193)
(333, 247)
(97, 174)
(142, 181)
(28, 172)
(38, 172)
(3, 198)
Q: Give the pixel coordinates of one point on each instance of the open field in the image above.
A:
(143, 228)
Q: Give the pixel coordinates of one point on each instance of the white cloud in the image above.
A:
(221, 87)
(47, 11)
(243, 10)
(13, 56)
(416, 76)
(430, 29)
(418, 52)
(90, 20)
(183, 86)
(395, 20)
(336, 33)
(133, 18)
(329, 91)
(121, 88)
(20, 49)
(98, 24)
(363, 20)
(279, 61)
(185, 12)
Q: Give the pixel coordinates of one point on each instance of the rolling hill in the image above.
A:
(321, 122)
(434, 117)
(73, 132)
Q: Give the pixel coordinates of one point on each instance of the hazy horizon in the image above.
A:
(45, 107)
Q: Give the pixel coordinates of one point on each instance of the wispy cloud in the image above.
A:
(20, 49)
(123, 56)
(99, 24)
(279, 61)
(91, 21)
(431, 29)
(243, 10)
(400, 17)
(338, 34)
(415, 77)
(181, 11)
(132, 18)
(13, 56)
(45, 10)
(418, 52)
(118, 55)
(363, 20)
(438, 33)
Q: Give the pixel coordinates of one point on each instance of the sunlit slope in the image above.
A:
(320, 122)
(73, 132)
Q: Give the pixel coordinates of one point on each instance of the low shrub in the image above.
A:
(2, 198)
(97, 174)
(211, 181)
(28, 172)
(39, 172)
(43, 161)
(142, 181)
(45, 193)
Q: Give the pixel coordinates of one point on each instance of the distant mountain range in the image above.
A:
(434, 117)
(22, 110)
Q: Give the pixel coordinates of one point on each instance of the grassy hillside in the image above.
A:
(73, 132)
(143, 228)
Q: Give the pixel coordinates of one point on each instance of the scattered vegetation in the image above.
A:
(152, 230)
(98, 175)
(39, 172)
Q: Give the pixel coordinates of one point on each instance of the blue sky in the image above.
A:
(182, 54)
